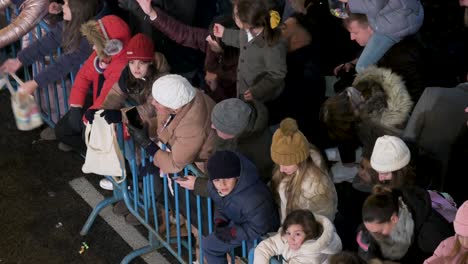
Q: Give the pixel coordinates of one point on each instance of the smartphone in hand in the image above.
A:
(179, 178)
(134, 118)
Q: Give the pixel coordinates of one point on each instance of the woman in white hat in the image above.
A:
(391, 158)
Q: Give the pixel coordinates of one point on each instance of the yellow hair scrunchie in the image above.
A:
(274, 19)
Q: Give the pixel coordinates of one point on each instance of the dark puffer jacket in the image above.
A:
(430, 228)
(249, 208)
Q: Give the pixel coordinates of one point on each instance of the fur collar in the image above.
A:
(397, 244)
(398, 101)
(92, 32)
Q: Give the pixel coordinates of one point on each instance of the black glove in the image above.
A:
(112, 116)
(89, 115)
(225, 233)
(75, 115)
(141, 137)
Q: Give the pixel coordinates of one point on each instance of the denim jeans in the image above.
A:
(377, 46)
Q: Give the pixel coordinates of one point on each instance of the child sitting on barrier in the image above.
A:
(244, 206)
(303, 238)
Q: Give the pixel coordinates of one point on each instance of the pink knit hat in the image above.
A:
(461, 220)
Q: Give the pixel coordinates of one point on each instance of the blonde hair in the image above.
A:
(456, 250)
(293, 183)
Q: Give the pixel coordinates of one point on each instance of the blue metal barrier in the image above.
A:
(142, 202)
(50, 107)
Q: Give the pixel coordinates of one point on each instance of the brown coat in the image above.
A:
(261, 68)
(189, 136)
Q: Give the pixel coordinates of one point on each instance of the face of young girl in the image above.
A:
(67, 16)
(296, 236)
(288, 170)
(138, 68)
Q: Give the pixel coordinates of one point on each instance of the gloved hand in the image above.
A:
(112, 116)
(75, 115)
(225, 233)
(89, 115)
(141, 137)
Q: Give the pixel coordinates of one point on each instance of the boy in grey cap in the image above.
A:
(241, 127)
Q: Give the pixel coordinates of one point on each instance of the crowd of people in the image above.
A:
(369, 173)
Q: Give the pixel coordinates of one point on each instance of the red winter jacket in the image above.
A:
(88, 75)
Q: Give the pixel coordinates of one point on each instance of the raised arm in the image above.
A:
(179, 32)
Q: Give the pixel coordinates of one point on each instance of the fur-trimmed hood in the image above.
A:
(116, 29)
(390, 108)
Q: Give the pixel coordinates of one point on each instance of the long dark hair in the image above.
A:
(81, 11)
(306, 219)
(142, 88)
(257, 14)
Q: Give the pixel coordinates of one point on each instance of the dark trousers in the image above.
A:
(68, 135)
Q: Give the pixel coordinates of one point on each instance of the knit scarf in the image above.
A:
(395, 246)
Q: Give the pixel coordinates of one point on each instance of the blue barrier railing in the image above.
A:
(143, 202)
(52, 105)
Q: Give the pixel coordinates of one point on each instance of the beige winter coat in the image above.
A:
(311, 252)
(189, 136)
(318, 197)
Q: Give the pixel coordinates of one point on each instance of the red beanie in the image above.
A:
(140, 47)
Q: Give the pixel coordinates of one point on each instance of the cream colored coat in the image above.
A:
(318, 197)
(311, 251)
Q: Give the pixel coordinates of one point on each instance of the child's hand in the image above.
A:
(218, 30)
(28, 87)
(188, 182)
(11, 66)
(248, 95)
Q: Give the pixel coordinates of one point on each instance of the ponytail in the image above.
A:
(271, 30)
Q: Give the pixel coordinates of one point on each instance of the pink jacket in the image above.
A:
(441, 254)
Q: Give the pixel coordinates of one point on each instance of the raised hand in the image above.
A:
(218, 30)
(145, 5)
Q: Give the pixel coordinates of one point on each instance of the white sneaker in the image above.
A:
(106, 184)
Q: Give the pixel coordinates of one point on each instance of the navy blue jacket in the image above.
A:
(249, 208)
(66, 63)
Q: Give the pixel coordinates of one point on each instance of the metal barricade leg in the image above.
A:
(89, 222)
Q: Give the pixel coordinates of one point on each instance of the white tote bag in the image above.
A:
(24, 107)
(103, 155)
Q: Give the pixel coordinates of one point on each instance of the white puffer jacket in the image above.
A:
(311, 252)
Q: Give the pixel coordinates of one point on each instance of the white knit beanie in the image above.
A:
(390, 154)
(173, 91)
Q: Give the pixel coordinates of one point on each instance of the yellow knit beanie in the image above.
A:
(289, 146)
